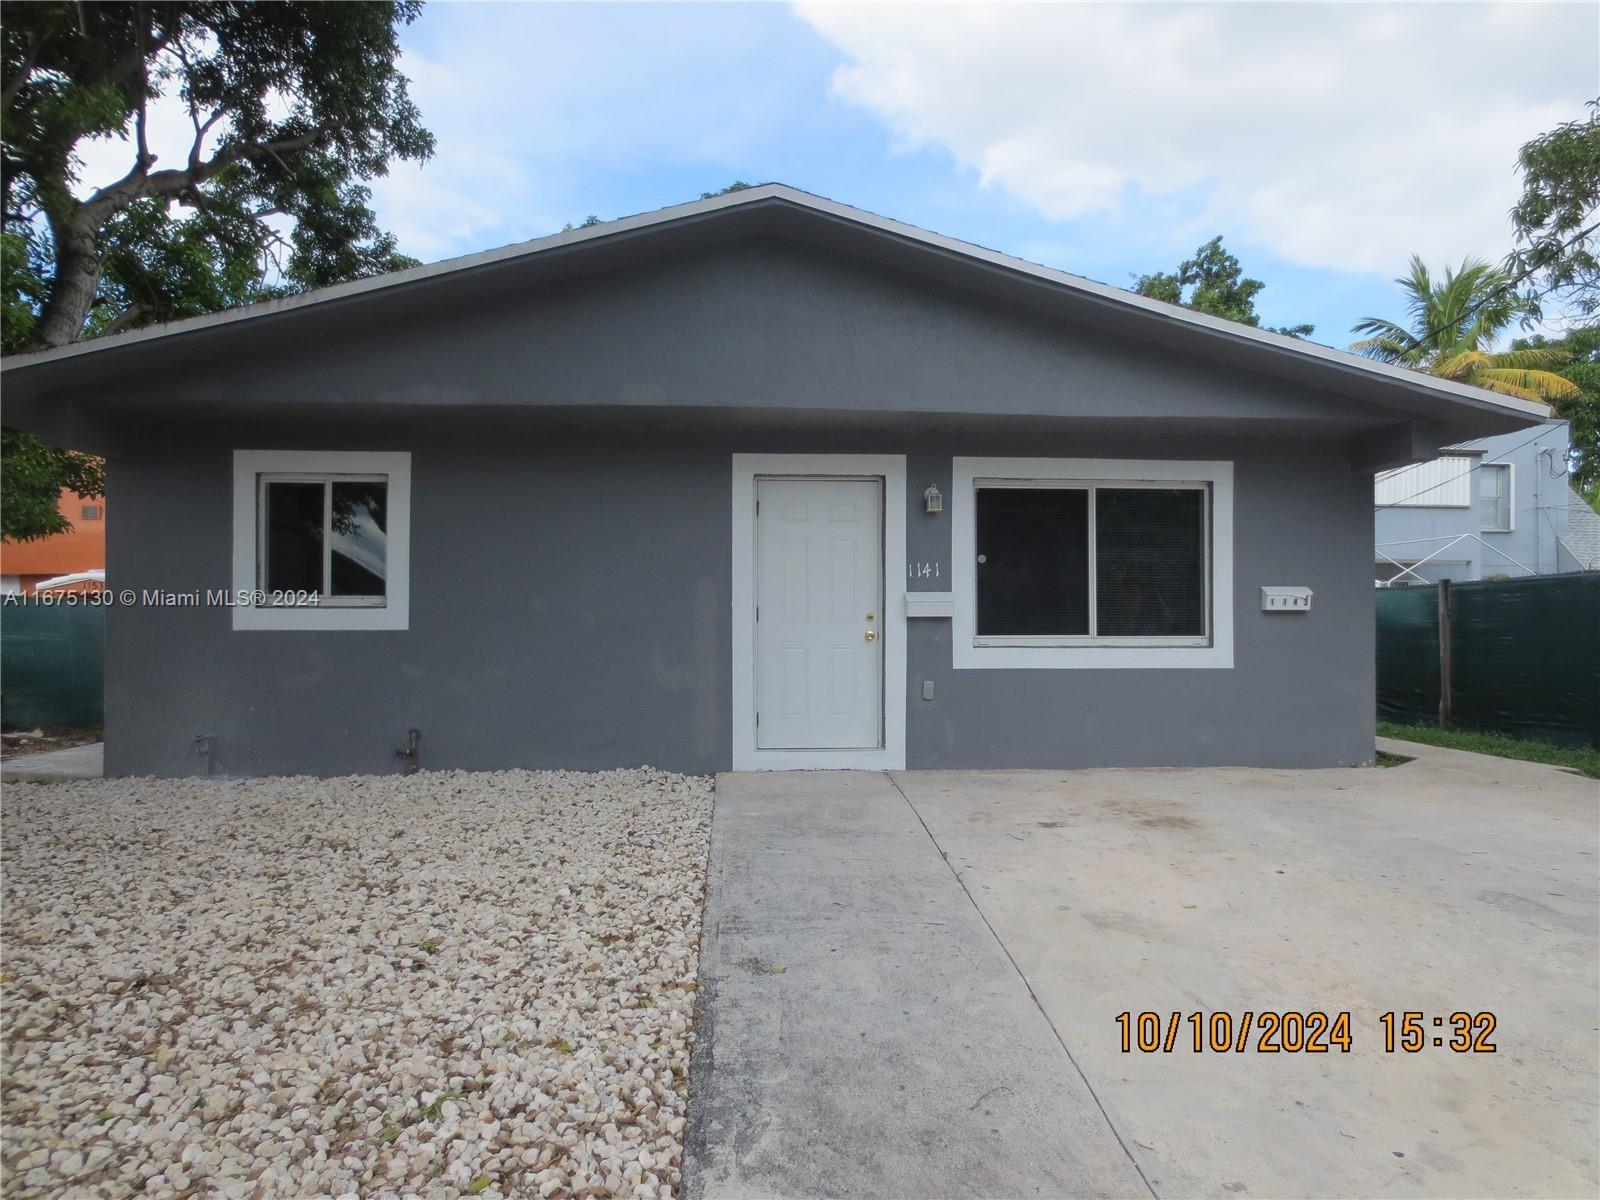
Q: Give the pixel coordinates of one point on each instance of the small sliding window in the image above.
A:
(1061, 563)
(323, 536)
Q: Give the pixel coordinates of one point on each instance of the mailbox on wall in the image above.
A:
(1285, 599)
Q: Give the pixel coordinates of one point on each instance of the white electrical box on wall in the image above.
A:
(1285, 599)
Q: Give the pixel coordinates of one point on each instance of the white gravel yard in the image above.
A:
(437, 985)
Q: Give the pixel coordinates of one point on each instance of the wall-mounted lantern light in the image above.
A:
(934, 500)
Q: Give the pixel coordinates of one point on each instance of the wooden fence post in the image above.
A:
(1444, 654)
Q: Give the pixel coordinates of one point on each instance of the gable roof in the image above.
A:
(776, 208)
(1582, 538)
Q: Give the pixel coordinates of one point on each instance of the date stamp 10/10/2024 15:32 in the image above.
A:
(1312, 1032)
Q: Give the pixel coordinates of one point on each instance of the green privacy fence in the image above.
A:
(1517, 656)
(52, 663)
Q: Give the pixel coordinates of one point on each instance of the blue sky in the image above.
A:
(1324, 142)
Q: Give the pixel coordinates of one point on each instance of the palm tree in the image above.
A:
(1452, 320)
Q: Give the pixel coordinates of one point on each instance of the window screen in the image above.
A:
(1036, 572)
(1033, 561)
(294, 537)
(358, 533)
(1150, 562)
(326, 536)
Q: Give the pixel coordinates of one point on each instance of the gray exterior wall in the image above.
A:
(570, 607)
(1539, 499)
(571, 524)
(754, 329)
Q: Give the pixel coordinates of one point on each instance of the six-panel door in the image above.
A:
(819, 615)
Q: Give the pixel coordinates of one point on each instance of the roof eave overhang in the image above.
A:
(1460, 411)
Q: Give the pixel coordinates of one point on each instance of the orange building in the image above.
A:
(24, 565)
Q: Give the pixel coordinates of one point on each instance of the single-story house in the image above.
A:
(761, 481)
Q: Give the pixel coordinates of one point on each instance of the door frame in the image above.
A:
(891, 469)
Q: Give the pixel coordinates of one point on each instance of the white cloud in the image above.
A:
(463, 196)
(1336, 136)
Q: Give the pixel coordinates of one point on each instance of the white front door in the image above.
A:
(819, 614)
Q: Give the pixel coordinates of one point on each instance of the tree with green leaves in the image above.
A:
(293, 106)
(1213, 282)
(1581, 350)
(1557, 220)
(738, 185)
(589, 222)
(1453, 321)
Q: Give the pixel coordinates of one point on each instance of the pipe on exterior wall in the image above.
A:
(1538, 511)
(205, 748)
(411, 762)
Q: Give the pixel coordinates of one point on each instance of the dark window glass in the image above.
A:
(294, 537)
(1033, 562)
(1150, 562)
(360, 522)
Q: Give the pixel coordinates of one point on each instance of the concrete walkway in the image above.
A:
(56, 766)
(912, 982)
(862, 1031)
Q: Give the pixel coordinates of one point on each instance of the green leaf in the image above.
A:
(316, 104)
(33, 475)
(1213, 282)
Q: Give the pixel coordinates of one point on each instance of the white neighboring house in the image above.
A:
(1497, 507)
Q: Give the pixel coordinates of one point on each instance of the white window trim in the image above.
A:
(248, 467)
(1511, 498)
(971, 653)
(891, 468)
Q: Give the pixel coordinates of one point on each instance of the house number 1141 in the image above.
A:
(922, 570)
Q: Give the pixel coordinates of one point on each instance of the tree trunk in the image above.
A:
(72, 291)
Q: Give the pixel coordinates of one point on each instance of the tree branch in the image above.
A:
(200, 132)
(290, 145)
(142, 156)
(142, 117)
(14, 84)
(134, 312)
(140, 183)
(140, 57)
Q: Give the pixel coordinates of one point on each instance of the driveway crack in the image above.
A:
(1022, 975)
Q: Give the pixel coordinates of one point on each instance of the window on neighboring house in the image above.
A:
(1494, 497)
(321, 540)
(91, 512)
(1055, 569)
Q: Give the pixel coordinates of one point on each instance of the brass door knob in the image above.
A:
(871, 636)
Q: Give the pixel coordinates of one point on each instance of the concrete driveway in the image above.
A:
(911, 983)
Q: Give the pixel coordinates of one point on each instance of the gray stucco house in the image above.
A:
(1497, 506)
(760, 481)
